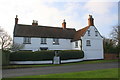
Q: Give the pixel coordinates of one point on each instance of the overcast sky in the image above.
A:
(52, 13)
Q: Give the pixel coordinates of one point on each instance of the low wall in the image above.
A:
(44, 62)
(110, 56)
(71, 60)
(30, 62)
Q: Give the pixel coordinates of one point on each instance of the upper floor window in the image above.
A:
(43, 41)
(55, 41)
(88, 32)
(76, 44)
(27, 40)
(96, 33)
(88, 43)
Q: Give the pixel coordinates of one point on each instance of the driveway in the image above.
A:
(9, 73)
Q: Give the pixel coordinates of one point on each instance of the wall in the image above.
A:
(64, 44)
(79, 45)
(110, 56)
(95, 51)
(44, 62)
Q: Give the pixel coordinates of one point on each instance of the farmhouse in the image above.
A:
(37, 37)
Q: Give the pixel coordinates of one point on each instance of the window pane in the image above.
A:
(96, 33)
(43, 40)
(55, 41)
(88, 32)
(76, 44)
(27, 40)
(88, 43)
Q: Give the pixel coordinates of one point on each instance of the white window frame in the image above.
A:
(43, 40)
(76, 44)
(55, 41)
(27, 40)
(88, 43)
(96, 33)
(88, 32)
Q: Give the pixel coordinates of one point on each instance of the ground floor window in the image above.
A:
(88, 43)
(76, 44)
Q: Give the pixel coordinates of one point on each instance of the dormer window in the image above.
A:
(88, 32)
(96, 33)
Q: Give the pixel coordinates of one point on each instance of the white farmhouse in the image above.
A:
(36, 37)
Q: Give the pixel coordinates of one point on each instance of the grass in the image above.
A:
(43, 65)
(104, 73)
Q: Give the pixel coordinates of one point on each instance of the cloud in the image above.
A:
(99, 7)
(49, 14)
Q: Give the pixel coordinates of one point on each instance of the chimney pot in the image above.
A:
(16, 20)
(64, 24)
(35, 23)
(90, 21)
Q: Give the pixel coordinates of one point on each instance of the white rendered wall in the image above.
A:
(64, 44)
(79, 45)
(95, 51)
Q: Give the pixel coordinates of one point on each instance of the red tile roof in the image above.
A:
(80, 33)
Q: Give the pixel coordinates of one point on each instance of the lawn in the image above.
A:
(83, 62)
(103, 73)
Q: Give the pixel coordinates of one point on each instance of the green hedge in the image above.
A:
(5, 57)
(31, 56)
(71, 54)
(45, 55)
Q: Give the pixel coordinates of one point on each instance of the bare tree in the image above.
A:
(16, 46)
(115, 34)
(116, 37)
(5, 39)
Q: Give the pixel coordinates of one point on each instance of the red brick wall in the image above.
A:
(110, 56)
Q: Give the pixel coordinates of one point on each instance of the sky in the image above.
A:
(53, 12)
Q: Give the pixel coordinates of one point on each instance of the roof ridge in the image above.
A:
(45, 26)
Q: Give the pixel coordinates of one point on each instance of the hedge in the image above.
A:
(45, 55)
(5, 57)
(31, 56)
(71, 54)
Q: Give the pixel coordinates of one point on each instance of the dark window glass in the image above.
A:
(27, 40)
(43, 41)
(88, 43)
(55, 41)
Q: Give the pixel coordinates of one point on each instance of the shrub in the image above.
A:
(71, 54)
(31, 56)
(45, 55)
(5, 57)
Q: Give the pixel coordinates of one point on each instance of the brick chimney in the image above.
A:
(64, 24)
(16, 20)
(35, 23)
(90, 21)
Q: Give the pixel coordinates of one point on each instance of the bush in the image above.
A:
(71, 54)
(45, 55)
(31, 56)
